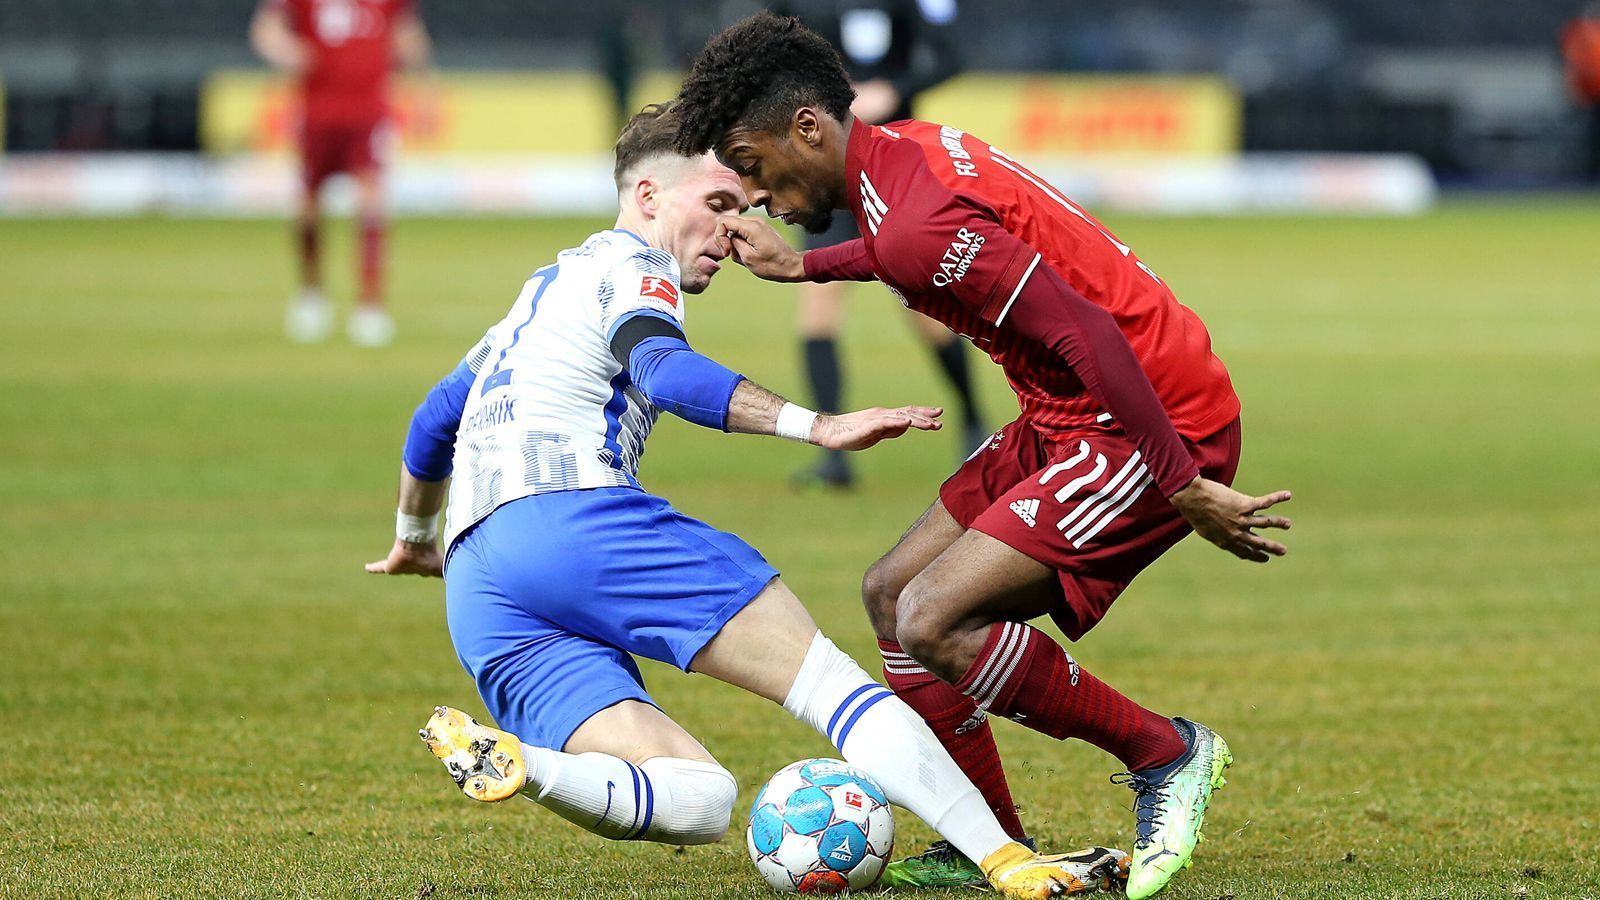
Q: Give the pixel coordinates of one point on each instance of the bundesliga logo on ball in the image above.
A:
(820, 826)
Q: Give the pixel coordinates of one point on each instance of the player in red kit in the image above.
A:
(1128, 436)
(342, 52)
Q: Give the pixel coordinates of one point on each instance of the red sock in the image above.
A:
(959, 726)
(306, 243)
(1023, 675)
(372, 260)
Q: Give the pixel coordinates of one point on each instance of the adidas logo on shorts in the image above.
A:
(1026, 509)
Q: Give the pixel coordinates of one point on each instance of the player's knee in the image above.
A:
(702, 798)
(918, 626)
(880, 592)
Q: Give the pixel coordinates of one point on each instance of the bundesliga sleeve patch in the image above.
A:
(657, 288)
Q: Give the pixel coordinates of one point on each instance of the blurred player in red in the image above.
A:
(1128, 436)
(1580, 45)
(342, 52)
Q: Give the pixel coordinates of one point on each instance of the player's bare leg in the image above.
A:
(763, 647)
(953, 716)
(309, 318)
(627, 773)
(370, 324)
(773, 649)
(820, 317)
(930, 535)
(962, 618)
(637, 732)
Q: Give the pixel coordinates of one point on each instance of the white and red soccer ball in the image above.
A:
(820, 826)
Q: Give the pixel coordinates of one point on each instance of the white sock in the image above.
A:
(668, 800)
(879, 734)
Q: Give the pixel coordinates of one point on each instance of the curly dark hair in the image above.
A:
(755, 74)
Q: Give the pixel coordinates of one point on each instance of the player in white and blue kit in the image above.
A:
(561, 567)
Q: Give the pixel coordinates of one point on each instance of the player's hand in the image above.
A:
(875, 102)
(860, 430)
(406, 558)
(1225, 517)
(757, 246)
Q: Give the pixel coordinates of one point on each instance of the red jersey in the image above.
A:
(351, 43)
(1580, 44)
(958, 230)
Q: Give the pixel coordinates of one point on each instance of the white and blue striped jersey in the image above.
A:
(550, 408)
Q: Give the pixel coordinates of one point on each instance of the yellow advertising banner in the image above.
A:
(517, 113)
(472, 113)
(1092, 115)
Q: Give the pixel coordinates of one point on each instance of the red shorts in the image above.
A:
(331, 147)
(1080, 503)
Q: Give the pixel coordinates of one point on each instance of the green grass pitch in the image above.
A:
(202, 694)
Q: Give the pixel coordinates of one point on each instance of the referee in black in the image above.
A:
(893, 50)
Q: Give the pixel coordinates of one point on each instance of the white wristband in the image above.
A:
(794, 423)
(416, 529)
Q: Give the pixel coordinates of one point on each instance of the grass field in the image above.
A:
(203, 695)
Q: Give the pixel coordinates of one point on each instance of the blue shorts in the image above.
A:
(547, 597)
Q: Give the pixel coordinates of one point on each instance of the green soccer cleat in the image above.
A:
(941, 865)
(1170, 808)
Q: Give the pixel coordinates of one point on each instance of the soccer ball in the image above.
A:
(820, 826)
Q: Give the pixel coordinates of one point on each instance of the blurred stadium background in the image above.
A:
(1379, 208)
(1471, 93)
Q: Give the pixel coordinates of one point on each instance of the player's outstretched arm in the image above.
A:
(416, 542)
(755, 410)
(698, 389)
(424, 470)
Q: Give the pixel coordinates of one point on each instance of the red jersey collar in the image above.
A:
(855, 156)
